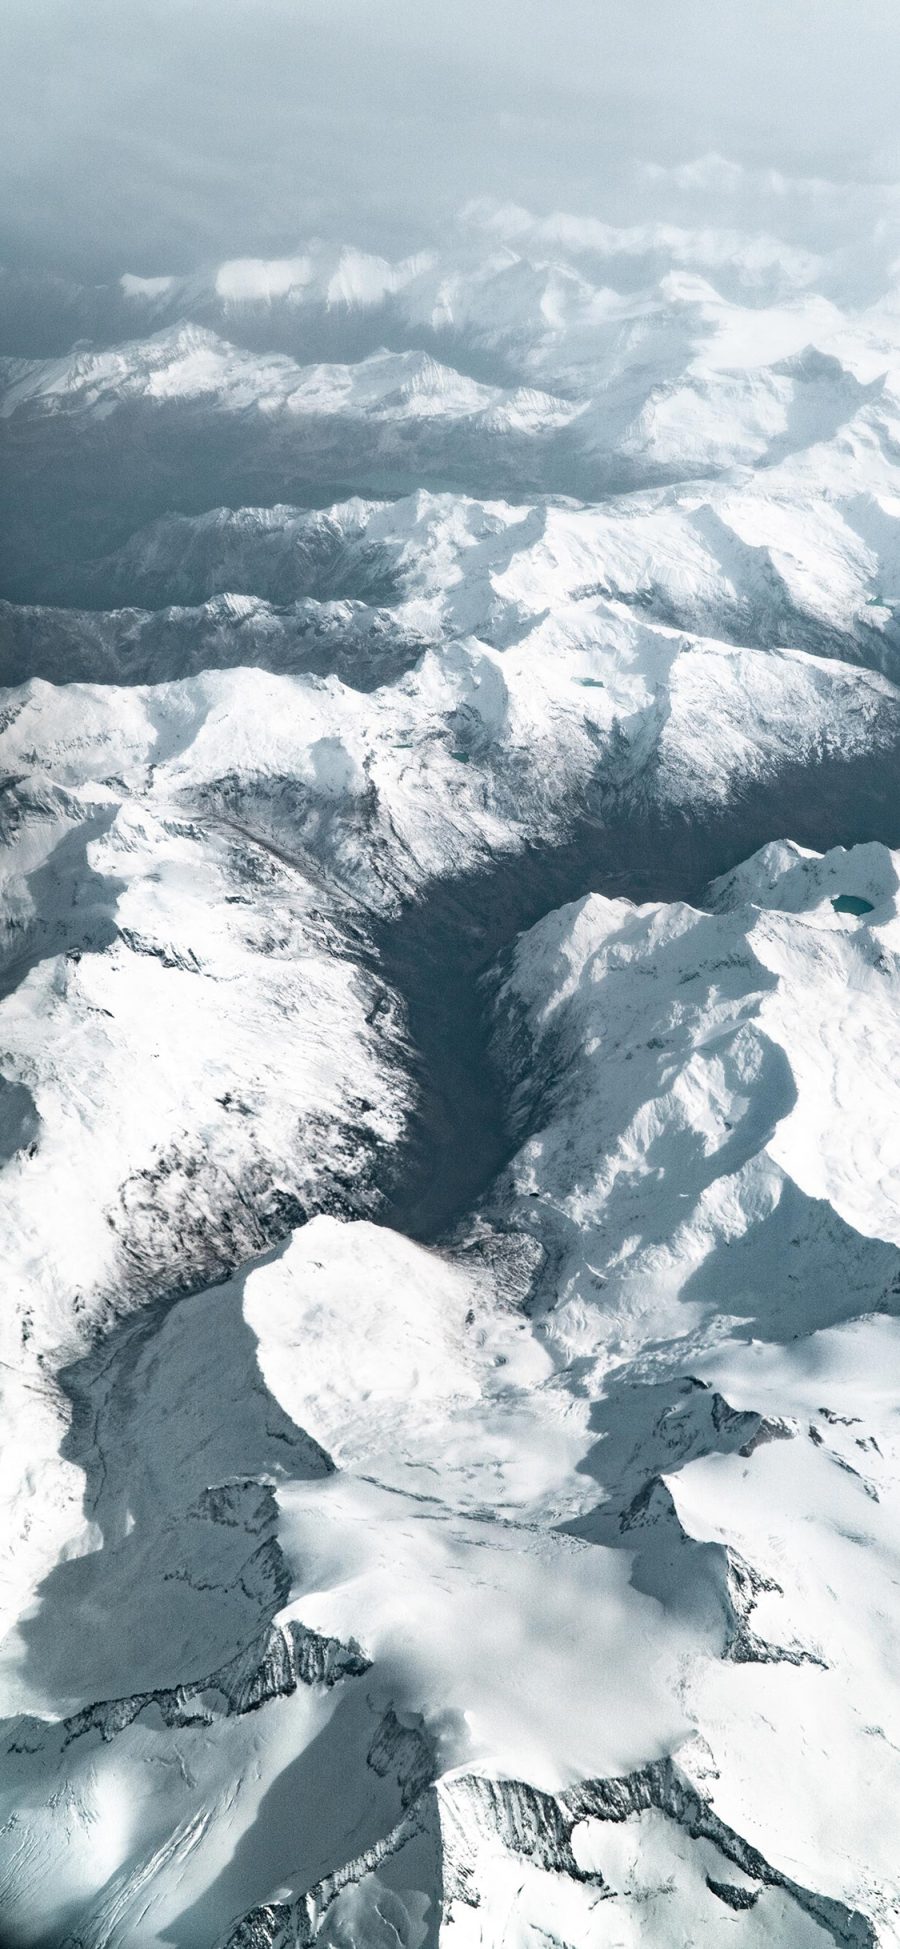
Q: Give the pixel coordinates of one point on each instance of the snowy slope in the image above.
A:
(193, 1057)
(717, 1064)
(738, 1444)
(189, 363)
(523, 1573)
(761, 563)
(629, 335)
(556, 1544)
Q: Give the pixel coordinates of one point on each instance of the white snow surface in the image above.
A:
(535, 1585)
(707, 1131)
(668, 352)
(653, 1514)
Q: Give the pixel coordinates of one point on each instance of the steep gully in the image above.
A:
(436, 955)
(440, 949)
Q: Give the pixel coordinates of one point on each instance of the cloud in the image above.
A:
(169, 133)
(145, 287)
(754, 258)
(721, 176)
(245, 278)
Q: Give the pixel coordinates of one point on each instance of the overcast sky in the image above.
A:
(157, 135)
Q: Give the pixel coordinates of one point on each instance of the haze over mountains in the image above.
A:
(450, 1027)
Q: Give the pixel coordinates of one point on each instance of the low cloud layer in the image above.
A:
(174, 132)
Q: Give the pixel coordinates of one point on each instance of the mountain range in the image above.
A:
(449, 995)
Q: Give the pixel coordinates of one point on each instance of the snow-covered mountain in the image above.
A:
(449, 1008)
(528, 1534)
(510, 363)
(757, 565)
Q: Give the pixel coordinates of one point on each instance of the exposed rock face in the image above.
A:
(472, 1821)
(283, 1658)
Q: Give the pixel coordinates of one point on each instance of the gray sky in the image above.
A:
(161, 134)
